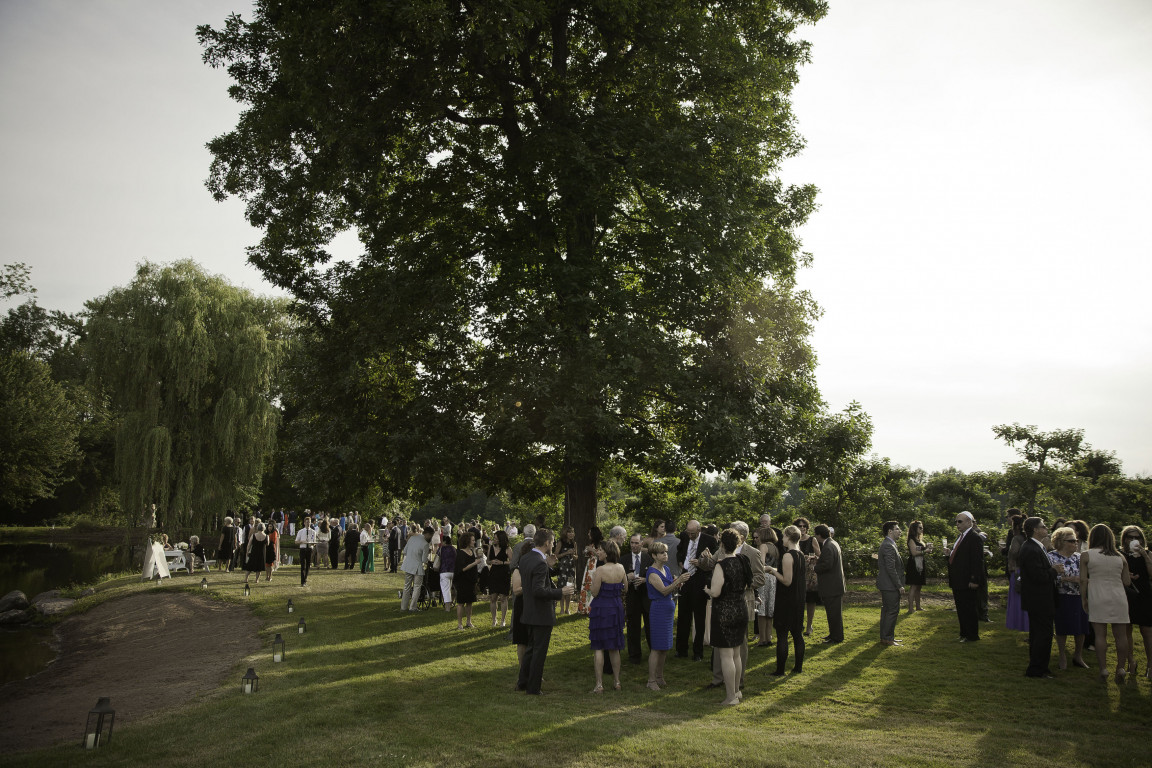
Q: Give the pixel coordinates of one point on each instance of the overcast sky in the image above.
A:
(981, 251)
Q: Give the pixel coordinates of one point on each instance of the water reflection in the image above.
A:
(35, 567)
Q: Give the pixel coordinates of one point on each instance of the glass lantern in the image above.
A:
(278, 648)
(290, 606)
(204, 583)
(247, 589)
(302, 627)
(98, 731)
(250, 683)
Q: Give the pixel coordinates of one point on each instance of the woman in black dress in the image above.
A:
(226, 548)
(256, 553)
(915, 568)
(1135, 549)
(464, 578)
(499, 577)
(789, 616)
(730, 577)
(811, 550)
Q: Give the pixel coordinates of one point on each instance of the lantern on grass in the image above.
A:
(278, 648)
(247, 589)
(302, 627)
(204, 583)
(290, 607)
(250, 683)
(98, 730)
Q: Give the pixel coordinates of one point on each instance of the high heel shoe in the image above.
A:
(598, 689)
(652, 686)
(1121, 676)
(1080, 663)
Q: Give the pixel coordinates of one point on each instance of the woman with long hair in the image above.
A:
(791, 574)
(323, 538)
(766, 604)
(1135, 550)
(464, 578)
(810, 547)
(593, 554)
(606, 616)
(565, 551)
(1017, 617)
(499, 577)
(1103, 577)
(915, 570)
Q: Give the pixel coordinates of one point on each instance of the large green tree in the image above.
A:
(39, 423)
(1045, 459)
(576, 247)
(188, 362)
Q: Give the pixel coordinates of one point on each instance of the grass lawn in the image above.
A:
(367, 685)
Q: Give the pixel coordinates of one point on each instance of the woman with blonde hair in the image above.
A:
(1135, 551)
(1104, 575)
(661, 608)
(791, 574)
(1070, 616)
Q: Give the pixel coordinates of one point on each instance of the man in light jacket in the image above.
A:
(890, 582)
(415, 553)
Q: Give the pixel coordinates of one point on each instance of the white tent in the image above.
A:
(155, 563)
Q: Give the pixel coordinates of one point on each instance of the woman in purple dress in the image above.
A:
(606, 614)
(1017, 617)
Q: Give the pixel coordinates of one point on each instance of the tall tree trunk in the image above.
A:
(580, 503)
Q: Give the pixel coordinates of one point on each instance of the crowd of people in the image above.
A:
(1075, 581)
(680, 592)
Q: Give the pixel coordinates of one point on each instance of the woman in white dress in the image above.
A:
(1103, 576)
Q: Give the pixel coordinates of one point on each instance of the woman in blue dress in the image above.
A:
(661, 585)
(606, 614)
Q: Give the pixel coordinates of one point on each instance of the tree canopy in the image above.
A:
(188, 363)
(576, 247)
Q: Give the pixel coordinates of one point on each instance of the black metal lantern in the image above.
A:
(204, 583)
(98, 731)
(290, 606)
(247, 589)
(302, 627)
(278, 648)
(250, 683)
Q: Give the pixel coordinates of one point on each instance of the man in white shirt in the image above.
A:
(306, 540)
(367, 549)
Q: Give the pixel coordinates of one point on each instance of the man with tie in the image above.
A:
(1038, 597)
(966, 575)
(636, 564)
(890, 582)
(538, 614)
(693, 601)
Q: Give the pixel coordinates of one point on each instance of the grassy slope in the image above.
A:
(367, 684)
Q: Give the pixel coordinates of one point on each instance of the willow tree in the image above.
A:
(189, 364)
(576, 247)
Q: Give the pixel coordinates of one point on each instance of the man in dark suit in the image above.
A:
(890, 582)
(693, 601)
(636, 562)
(1038, 597)
(966, 575)
(538, 613)
(830, 583)
(394, 547)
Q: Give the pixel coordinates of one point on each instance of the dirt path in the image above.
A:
(146, 652)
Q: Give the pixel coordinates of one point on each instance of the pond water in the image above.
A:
(34, 567)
